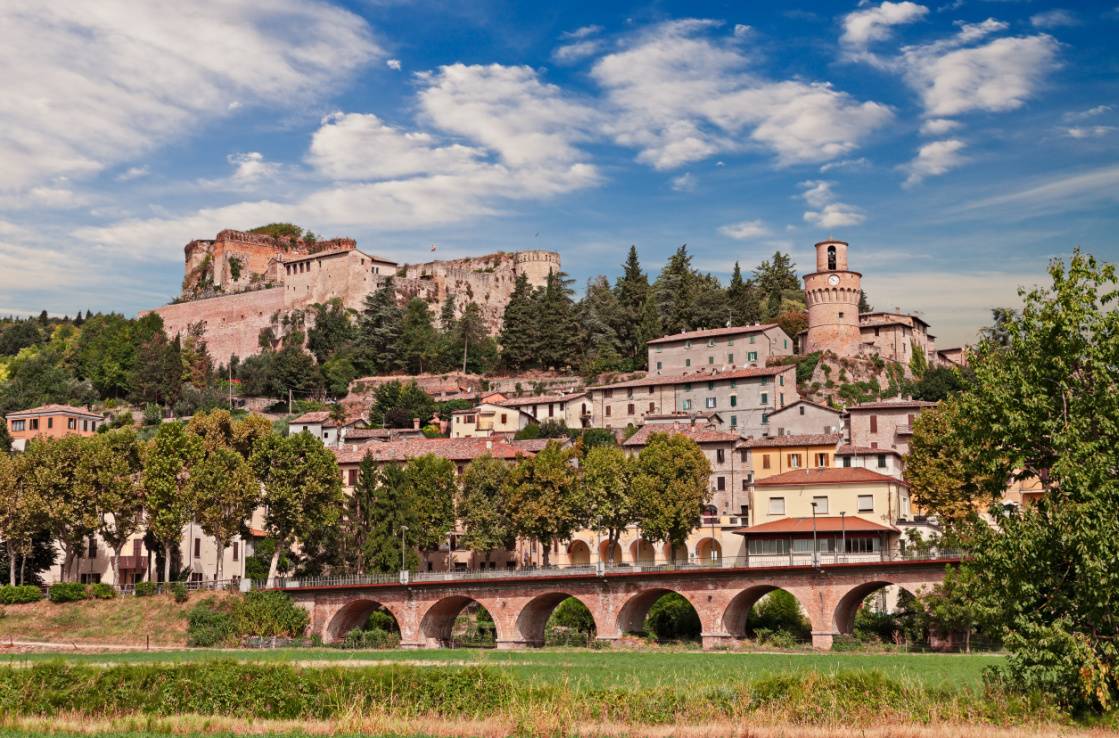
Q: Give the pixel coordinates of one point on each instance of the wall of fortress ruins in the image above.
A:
(238, 284)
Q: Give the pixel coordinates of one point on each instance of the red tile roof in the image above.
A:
(891, 405)
(792, 439)
(699, 376)
(51, 409)
(455, 449)
(698, 434)
(826, 475)
(714, 332)
(824, 524)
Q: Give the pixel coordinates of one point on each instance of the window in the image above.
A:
(710, 386)
(730, 359)
(34, 424)
(687, 362)
(687, 386)
(71, 424)
(745, 488)
(776, 505)
(197, 548)
(781, 399)
(659, 366)
(50, 422)
(710, 360)
(721, 484)
(504, 418)
(687, 344)
(769, 546)
(720, 456)
(881, 461)
(687, 404)
(822, 460)
(840, 313)
(765, 398)
(866, 503)
(847, 462)
(652, 407)
(752, 356)
(652, 389)
(608, 411)
(876, 332)
(730, 341)
(861, 545)
(351, 477)
(873, 423)
(91, 552)
(629, 393)
(764, 381)
(793, 461)
(552, 408)
(733, 421)
(786, 343)
(765, 461)
(733, 383)
(734, 400)
(629, 409)
(821, 505)
(710, 341)
(765, 418)
(831, 258)
(753, 338)
(709, 403)
(236, 552)
(781, 380)
(741, 453)
(18, 425)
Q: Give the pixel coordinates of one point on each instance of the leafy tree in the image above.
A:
(53, 468)
(21, 511)
(168, 461)
(302, 489)
(606, 487)
(670, 486)
(157, 377)
(379, 330)
(5, 438)
(430, 489)
(395, 405)
(419, 341)
(279, 230)
(519, 327)
(779, 612)
(293, 369)
(447, 314)
(219, 429)
(198, 367)
(357, 520)
(918, 362)
(774, 279)
(936, 384)
(333, 330)
(482, 507)
(541, 497)
(958, 605)
(1045, 404)
(672, 618)
(864, 303)
(389, 542)
(793, 322)
(338, 372)
(225, 493)
(108, 477)
(19, 335)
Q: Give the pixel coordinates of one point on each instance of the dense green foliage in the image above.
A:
(778, 614)
(67, 592)
(672, 618)
(19, 594)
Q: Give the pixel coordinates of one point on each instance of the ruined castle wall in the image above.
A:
(232, 322)
(349, 275)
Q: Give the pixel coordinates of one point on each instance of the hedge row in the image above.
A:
(74, 591)
(19, 594)
(474, 692)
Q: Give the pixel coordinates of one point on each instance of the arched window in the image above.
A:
(831, 258)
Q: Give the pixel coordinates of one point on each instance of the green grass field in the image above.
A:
(594, 669)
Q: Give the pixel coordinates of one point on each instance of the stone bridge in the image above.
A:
(520, 603)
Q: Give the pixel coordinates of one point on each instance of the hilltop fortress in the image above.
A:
(239, 283)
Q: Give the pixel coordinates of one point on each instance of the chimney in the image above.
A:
(415, 423)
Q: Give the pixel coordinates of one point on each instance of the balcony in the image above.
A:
(905, 430)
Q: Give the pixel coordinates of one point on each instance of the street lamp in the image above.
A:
(403, 530)
(815, 548)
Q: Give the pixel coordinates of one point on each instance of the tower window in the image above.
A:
(841, 314)
(831, 258)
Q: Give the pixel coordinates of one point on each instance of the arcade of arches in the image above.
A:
(619, 603)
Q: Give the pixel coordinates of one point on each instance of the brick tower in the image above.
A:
(832, 294)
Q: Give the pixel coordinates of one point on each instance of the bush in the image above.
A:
(101, 591)
(369, 639)
(67, 592)
(179, 590)
(210, 624)
(153, 414)
(145, 589)
(779, 612)
(775, 638)
(19, 594)
(673, 618)
(269, 615)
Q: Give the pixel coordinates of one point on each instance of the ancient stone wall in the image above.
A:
(232, 322)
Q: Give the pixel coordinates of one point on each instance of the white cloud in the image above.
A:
(1089, 131)
(393, 64)
(582, 32)
(1054, 19)
(846, 164)
(953, 78)
(132, 173)
(933, 159)
(681, 96)
(939, 126)
(88, 86)
(1079, 189)
(861, 28)
(1075, 115)
(686, 182)
(745, 230)
(828, 213)
(250, 167)
(355, 146)
(741, 30)
(576, 51)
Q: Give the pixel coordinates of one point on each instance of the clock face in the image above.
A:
(833, 280)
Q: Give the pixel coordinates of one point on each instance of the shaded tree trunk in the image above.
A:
(11, 563)
(274, 564)
(166, 563)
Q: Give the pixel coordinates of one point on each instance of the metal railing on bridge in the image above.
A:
(802, 560)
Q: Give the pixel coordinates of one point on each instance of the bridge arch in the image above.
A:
(533, 617)
(737, 612)
(843, 617)
(353, 614)
(439, 619)
(632, 614)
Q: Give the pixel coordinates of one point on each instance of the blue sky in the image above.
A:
(958, 146)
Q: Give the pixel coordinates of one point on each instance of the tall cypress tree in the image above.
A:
(632, 291)
(559, 339)
(674, 292)
(394, 516)
(380, 328)
(518, 331)
(742, 299)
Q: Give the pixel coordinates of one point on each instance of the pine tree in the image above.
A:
(742, 299)
(864, 303)
(674, 293)
(558, 336)
(447, 314)
(598, 315)
(419, 341)
(379, 331)
(774, 281)
(470, 342)
(518, 331)
(632, 291)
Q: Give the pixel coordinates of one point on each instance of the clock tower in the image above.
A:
(832, 294)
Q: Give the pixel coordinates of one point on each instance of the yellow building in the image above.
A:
(769, 456)
(831, 492)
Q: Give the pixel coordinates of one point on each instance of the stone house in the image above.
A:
(896, 336)
(572, 409)
(323, 427)
(717, 348)
(51, 421)
(804, 417)
(886, 461)
(769, 456)
(886, 424)
(743, 398)
(488, 419)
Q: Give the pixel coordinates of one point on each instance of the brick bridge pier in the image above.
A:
(520, 603)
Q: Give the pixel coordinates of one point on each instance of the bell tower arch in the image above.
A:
(832, 294)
